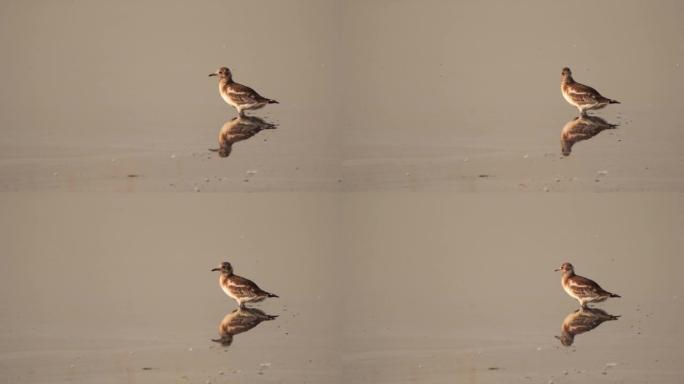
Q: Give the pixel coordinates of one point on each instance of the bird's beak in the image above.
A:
(556, 270)
(216, 269)
(212, 74)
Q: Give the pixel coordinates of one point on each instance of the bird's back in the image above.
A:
(584, 94)
(585, 287)
(245, 286)
(246, 93)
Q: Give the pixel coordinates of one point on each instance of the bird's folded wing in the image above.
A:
(584, 286)
(583, 93)
(244, 288)
(245, 95)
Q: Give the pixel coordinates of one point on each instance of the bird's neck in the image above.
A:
(567, 80)
(568, 274)
(224, 83)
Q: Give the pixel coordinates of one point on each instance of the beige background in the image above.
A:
(409, 209)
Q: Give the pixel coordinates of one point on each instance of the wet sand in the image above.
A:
(409, 206)
(463, 290)
(367, 103)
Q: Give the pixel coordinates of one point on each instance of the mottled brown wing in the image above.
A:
(243, 94)
(584, 94)
(245, 287)
(585, 287)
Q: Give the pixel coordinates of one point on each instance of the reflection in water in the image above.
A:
(238, 129)
(580, 321)
(582, 128)
(238, 321)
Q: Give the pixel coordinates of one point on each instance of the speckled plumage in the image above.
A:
(582, 96)
(239, 288)
(582, 289)
(237, 95)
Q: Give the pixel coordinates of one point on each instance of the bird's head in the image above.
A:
(225, 340)
(566, 72)
(225, 149)
(222, 73)
(225, 267)
(565, 268)
(566, 339)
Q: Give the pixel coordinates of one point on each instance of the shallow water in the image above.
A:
(408, 199)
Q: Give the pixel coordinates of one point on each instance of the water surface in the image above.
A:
(408, 199)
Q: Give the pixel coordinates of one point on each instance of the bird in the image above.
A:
(580, 288)
(238, 129)
(238, 321)
(582, 128)
(239, 96)
(237, 287)
(581, 321)
(582, 96)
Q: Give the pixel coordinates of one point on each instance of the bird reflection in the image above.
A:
(582, 128)
(581, 321)
(238, 129)
(239, 321)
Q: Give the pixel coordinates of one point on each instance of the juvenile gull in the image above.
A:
(582, 96)
(580, 288)
(239, 96)
(241, 289)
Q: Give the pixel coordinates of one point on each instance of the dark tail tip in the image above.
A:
(613, 102)
(272, 295)
(614, 295)
(271, 101)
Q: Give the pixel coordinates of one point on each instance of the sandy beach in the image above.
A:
(422, 179)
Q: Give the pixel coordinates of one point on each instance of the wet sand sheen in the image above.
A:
(399, 209)
(375, 287)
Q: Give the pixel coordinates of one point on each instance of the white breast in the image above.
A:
(569, 292)
(226, 97)
(567, 97)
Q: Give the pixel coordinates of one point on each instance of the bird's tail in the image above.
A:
(611, 101)
(272, 295)
(271, 101)
(614, 295)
